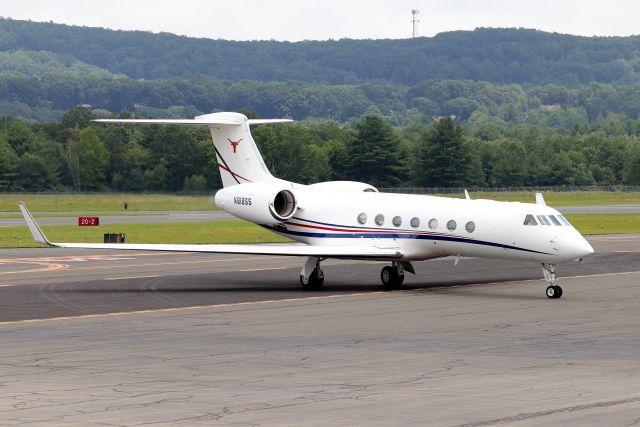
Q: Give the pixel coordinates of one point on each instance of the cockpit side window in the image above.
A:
(543, 220)
(530, 220)
(554, 220)
(563, 220)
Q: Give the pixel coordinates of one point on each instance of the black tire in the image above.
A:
(315, 281)
(387, 277)
(551, 292)
(558, 291)
(399, 278)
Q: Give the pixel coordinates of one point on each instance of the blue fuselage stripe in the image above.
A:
(369, 235)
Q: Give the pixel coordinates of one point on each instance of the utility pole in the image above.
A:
(414, 21)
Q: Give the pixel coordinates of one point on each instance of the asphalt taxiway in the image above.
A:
(115, 338)
(145, 217)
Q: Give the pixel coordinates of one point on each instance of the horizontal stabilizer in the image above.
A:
(198, 121)
(191, 122)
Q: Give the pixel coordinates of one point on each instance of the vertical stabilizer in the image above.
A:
(239, 159)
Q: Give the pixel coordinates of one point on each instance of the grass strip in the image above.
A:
(167, 202)
(106, 202)
(605, 223)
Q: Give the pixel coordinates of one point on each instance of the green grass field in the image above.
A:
(605, 223)
(168, 202)
(244, 232)
(105, 202)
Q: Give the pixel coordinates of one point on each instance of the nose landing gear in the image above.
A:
(553, 290)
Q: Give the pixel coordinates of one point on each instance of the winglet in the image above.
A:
(37, 233)
(466, 194)
(540, 199)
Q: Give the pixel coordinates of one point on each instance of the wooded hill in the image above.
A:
(495, 55)
(515, 76)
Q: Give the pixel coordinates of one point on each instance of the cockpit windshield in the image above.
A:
(557, 220)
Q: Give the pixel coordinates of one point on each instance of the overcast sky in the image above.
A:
(332, 19)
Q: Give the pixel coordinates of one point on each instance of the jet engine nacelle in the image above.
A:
(262, 203)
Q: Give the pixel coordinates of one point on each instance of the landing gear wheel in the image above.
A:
(386, 275)
(551, 291)
(391, 278)
(315, 280)
(554, 291)
(559, 291)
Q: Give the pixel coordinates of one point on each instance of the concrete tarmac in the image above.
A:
(87, 339)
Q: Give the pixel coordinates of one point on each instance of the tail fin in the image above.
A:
(239, 159)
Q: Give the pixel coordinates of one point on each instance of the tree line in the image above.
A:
(76, 154)
(475, 102)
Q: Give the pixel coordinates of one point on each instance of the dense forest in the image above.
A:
(494, 55)
(487, 75)
(77, 154)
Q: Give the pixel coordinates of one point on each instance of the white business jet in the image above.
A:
(352, 220)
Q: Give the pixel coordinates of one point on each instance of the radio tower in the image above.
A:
(414, 21)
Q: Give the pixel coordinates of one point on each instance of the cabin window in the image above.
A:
(415, 222)
(362, 218)
(530, 220)
(379, 219)
(554, 220)
(451, 225)
(563, 220)
(543, 220)
(470, 226)
(397, 221)
(433, 223)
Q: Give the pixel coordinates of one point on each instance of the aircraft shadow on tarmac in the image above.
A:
(206, 284)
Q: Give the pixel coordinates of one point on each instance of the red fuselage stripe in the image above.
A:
(233, 173)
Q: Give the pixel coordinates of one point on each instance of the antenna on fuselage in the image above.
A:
(466, 194)
(540, 199)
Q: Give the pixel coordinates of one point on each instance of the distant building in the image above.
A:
(87, 106)
(453, 118)
(550, 107)
(138, 105)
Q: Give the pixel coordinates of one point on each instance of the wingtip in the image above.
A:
(36, 232)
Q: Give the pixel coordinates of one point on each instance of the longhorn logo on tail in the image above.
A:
(234, 144)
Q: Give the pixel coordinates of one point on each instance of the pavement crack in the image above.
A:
(568, 409)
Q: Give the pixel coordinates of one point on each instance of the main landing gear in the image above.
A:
(311, 276)
(553, 290)
(392, 276)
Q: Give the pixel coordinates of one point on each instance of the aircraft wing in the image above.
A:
(355, 252)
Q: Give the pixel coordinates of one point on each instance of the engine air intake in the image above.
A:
(283, 206)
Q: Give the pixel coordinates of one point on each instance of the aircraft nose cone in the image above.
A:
(580, 248)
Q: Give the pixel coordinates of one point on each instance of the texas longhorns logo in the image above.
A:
(234, 144)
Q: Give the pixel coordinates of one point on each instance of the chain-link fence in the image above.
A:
(460, 190)
(405, 190)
